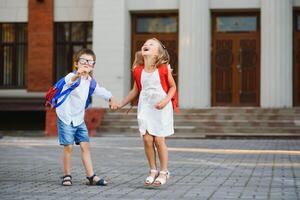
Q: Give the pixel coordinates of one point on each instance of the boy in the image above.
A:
(71, 125)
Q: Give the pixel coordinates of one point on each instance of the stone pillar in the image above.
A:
(40, 45)
(194, 54)
(111, 43)
(276, 53)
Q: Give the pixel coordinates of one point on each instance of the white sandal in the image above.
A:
(159, 181)
(150, 179)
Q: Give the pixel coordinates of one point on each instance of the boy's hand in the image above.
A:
(160, 105)
(113, 104)
(81, 71)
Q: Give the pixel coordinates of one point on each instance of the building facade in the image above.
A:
(223, 52)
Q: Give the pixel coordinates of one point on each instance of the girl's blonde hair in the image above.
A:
(138, 59)
(163, 57)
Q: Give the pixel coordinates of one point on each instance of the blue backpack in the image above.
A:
(55, 93)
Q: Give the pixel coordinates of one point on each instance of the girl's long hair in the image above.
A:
(138, 59)
(163, 57)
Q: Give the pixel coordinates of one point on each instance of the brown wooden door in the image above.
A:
(235, 65)
(153, 28)
(296, 59)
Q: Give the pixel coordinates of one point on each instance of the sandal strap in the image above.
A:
(66, 176)
(91, 178)
(153, 171)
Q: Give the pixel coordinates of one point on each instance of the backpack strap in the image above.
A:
(93, 85)
(65, 93)
(164, 75)
(137, 75)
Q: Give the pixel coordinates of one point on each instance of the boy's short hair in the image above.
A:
(82, 51)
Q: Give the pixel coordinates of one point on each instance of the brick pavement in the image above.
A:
(200, 169)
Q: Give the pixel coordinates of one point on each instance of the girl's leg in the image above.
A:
(150, 150)
(162, 150)
(67, 159)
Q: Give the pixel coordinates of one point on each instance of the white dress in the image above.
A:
(156, 122)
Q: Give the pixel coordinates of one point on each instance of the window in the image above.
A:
(69, 38)
(236, 23)
(156, 24)
(13, 55)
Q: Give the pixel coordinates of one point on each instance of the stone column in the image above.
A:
(276, 53)
(194, 54)
(111, 43)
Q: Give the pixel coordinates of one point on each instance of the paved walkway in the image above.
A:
(200, 169)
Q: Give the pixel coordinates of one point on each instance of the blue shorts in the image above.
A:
(68, 134)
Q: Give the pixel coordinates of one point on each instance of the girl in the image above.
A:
(156, 87)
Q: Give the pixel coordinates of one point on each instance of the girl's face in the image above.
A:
(150, 48)
(86, 62)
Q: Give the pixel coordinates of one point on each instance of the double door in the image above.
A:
(235, 60)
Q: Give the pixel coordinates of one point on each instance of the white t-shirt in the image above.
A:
(73, 108)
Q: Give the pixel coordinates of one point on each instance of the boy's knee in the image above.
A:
(68, 148)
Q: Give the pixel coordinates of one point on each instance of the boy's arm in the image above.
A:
(103, 93)
(131, 95)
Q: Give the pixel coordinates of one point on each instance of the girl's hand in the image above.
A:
(160, 105)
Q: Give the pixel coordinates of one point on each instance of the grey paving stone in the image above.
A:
(30, 168)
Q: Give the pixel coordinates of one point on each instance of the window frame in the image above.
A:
(14, 45)
(68, 43)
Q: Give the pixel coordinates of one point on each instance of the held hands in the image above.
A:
(113, 104)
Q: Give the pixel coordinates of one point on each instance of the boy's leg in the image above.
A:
(82, 138)
(67, 159)
(86, 158)
(150, 150)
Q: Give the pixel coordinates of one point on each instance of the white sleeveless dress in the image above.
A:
(156, 122)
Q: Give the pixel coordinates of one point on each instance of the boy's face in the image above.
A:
(86, 63)
(150, 47)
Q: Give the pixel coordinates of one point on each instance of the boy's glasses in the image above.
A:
(84, 61)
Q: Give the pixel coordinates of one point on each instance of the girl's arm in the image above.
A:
(131, 95)
(170, 94)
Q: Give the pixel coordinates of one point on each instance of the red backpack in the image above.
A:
(163, 76)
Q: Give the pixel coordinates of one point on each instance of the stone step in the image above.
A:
(219, 110)
(215, 121)
(201, 123)
(208, 129)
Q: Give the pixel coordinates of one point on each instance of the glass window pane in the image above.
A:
(156, 25)
(77, 32)
(89, 32)
(62, 60)
(21, 33)
(236, 24)
(8, 65)
(21, 64)
(62, 32)
(8, 33)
